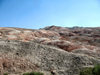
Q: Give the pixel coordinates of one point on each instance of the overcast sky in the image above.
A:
(40, 13)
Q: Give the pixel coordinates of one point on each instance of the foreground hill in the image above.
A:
(63, 51)
(19, 57)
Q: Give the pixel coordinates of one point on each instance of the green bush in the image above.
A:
(91, 71)
(86, 71)
(96, 70)
(5, 74)
(33, 73)
(26, 73)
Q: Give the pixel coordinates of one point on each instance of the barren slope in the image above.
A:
(45, 58)
(63, 51)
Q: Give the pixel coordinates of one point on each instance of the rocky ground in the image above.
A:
(61, 50)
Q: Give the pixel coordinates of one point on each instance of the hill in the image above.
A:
(57, 50)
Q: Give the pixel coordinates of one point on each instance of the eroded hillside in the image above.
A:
(61, 50)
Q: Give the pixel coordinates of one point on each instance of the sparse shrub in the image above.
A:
(33, 73)
(5, 73)
(91, 71)
(26, 73)
(96, 70)
(86, 71)
(36, 73)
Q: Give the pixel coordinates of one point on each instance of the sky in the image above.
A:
(37, 14)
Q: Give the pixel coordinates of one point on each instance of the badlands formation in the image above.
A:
(52, 50)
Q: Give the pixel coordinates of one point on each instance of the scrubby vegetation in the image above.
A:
(5, 73)
(86, 71)
(96, 70)
(91, 71)
(33, 73)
